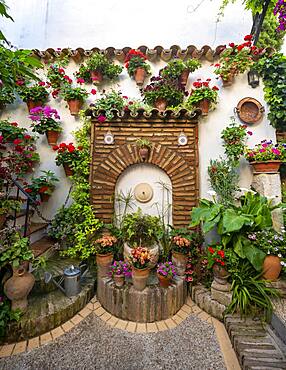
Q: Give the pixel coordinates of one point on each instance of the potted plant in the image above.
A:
(104, 248)
(7, 96)
(165, 273)
(202, 96)
(135, 63)
(141, 230)
(7, 205)
(67, 155)
(234, 137)
(266, 156)
(104, 106)
(11, 131)
(56, 73)
(180, 69)
(162, 92)
(74, 96)
(274, 245)
(236, 59)
(217, 262)
(181, 244)
(44, 121)
(16, 253)
(42, 186)
(118, 271)
(33, 95)
(97, 68)
(144, 146)
(140, 258)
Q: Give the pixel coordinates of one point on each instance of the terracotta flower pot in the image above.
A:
(154, 251)
(119, 280)
(74, 106)
(220, 274)
(160, 104)
(144, 153)
(52, 137)
(68, 170)
(33, 104)
(45, 197)
(2, 220)
(271, 267)
(140, 277)
(266, 167)
(184, 77)
(96, 77)
(164, 281)
(204, 105)
(228, 81)
(104, 262)
(179, 260)
(139, 76)
(18, 287)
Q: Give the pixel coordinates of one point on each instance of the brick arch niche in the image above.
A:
(179, 162)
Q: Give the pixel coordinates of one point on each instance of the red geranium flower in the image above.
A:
(28, 190)
(41, 83)
(93, 91)
(43, 189)
(232, 44)
(20, 82)
(17, 141)
(14, 124)
(248, 38)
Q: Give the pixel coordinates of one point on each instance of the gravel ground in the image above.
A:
(94, 345)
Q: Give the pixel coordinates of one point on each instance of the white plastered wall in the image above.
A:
(50, 23)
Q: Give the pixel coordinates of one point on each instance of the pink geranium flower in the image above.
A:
(101, 118)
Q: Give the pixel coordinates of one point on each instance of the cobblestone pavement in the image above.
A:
(93, 344)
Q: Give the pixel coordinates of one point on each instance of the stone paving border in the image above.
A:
(190, 308)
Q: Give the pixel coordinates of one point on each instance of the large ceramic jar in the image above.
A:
(18, 287)
(271, 267)
(140, 277)
(104, 262)
(179, 260)
(154, 251)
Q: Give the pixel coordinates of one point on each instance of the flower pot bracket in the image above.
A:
(249, 110)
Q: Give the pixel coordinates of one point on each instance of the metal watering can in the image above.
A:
(69, 283)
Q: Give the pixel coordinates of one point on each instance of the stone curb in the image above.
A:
(188, 309)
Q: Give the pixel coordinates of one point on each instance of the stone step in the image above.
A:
(278, 320)
(45, 312)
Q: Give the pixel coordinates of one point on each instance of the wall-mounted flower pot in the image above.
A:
(144, 153)
(45, 197)
(204, 105)
(228, 81)
(74, 106)
(271, 267)
(33, 104)
(68, 170)
(266, 167)
(96, 77)
(160, 104)
(52, 137)
(139, 76)
(184, 77)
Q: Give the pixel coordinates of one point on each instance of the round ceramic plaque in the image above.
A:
(143, 193)
(249, 110)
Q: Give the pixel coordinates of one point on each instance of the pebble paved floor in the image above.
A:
(95, 345)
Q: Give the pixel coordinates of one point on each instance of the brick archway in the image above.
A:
(179, 162)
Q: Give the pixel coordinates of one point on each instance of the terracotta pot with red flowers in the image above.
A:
(104, 249)
(42, 186)
(33, 95)
(45, 121)
(135, 63)
(237, 59)
(202, 96)
(217, 262)
(180, 249)
(140, 259)
(266, 157)
(68, 155)
(74, 96)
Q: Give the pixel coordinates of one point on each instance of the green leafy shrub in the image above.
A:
(175, 67)
(34, 92)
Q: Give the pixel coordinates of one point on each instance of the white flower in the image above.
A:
(279, 255)
(283, 263)
(268, 252)
(276, 249)
(211, 193)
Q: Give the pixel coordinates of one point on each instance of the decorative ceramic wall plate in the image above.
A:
(249, 110)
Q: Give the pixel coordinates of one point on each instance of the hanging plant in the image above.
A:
(202, 96)
(137, 68)
(180, 69)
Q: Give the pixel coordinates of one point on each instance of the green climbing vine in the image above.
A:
(77, 224)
